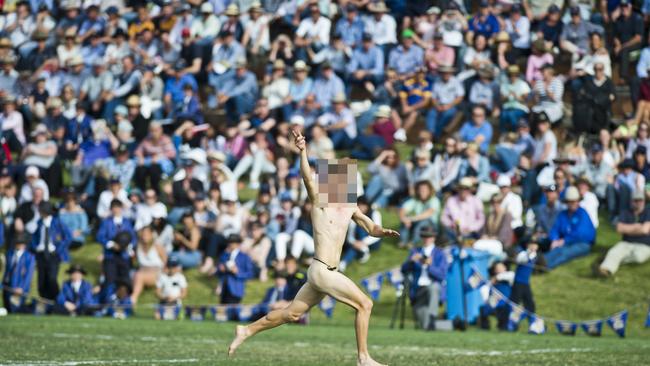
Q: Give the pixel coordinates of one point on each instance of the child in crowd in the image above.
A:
(171, 287)
(501, 279)
(521, 291)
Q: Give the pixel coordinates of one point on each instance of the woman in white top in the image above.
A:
(12, 124)
(69, 48)
(151, 260)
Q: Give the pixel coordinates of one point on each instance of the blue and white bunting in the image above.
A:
(517, 314)
(327, 306)
(593, 328)
(618, 322)
(220, 313)
(245, 312)
(195, 313)
(373, 284)
(566, 327)
(647, 319)
(537, 325)
(474, 281)
(495, 299)
(395, 277)
(169, 312)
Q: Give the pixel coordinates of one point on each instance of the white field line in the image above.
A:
(97, 362)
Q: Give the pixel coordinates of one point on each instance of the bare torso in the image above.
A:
(330, 229)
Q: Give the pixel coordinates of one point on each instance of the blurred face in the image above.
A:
(76, 276)
(551, 196)
(150, 196)
(627, 10)
(599, 69)
(116, 211)
(450, 146)
(407, 42)
(314, 11)
(572, 206)
(638, 205)
(478, 116)
(480, 43)
(146, 235)
(339, 107)
(337, 182)
(643, 131)
(559, 177)
(280, 282)
(423, 192)
(37, 195)
(156, 131)
(499, 268)
(464, 193)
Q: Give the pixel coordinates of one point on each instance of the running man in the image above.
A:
(334, 205)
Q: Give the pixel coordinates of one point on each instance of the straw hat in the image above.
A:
(383, 111)
(379, 7)
(232, 10)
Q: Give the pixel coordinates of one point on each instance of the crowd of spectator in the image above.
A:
(136, 124)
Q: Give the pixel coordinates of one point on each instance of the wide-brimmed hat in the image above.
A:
(572, 194)
(76, 268)
(207, 8)
(564, 158)
(486, 72)
(297, 119)
(502, 36)
(133, 101)
(75, 61)
(6, 42)
(339, 98)
(216, 155)
(279, 65)
(427, 231)
(300, 65)
(379, 7)
(40, 129)
(232, 10)
(466, 182)
(256, 7)
(383, 111)
(446, 69)
(513, 70)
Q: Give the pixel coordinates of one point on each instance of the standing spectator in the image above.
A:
(233, 270)
(50, 242)
(18, 274)
(572, 234)
(427, 265)
(118, 238)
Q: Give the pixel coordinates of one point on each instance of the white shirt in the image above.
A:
(104, 202)
(76, 285)
(512, 203)
(320, 30)
(383, 30)
(424, 279)
(257, 29)
(47, 222)
(13, 122)
(171, 285)
(590, 204)
(346, 115)
(276, 91)
(519, 32)
(27, 191)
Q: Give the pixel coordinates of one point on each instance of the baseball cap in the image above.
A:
(408, 33)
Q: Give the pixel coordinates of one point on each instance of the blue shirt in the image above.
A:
(298, 92)
(174, 87)
(229, 54)
(371, 60)
(351, 33)
(486, 27)
(325, 89)
(234, 85)
(405, 61)
(574, 228)
(643, 64)
(470, 131)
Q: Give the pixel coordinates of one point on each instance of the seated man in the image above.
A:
(18, 274)
(366, 65)
(572, 234)
(76, 296)
(427, 265)
(478, 129)
(415, 97)
(278, 296)
(634, 225)
(463, 213)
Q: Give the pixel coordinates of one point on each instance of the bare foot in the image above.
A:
(368, 362)
(241, 333)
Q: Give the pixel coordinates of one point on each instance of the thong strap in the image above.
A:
(329, 268)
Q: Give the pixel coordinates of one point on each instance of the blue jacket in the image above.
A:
(437, 271)
(576, 228)
(19, 275)
(284, 295)
(59, 235)
(236, 283)
(83, 298)
(79, 131)
(107, 232)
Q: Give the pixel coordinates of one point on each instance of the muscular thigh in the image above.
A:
(306, 297)
(342, 289)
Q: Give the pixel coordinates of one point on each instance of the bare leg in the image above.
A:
(142, 279)
(305, 299)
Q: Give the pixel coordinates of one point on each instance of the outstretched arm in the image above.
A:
(372, 228)
(304, 166)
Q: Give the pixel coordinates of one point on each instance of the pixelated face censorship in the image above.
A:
(337, 182)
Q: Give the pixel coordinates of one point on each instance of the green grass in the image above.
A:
(90, 341)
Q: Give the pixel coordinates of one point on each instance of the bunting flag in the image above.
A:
(169, 312)
(119, 312)
(245, 312)
(474, 281)
(517, 314)
(618, 322)
(537, 325)
(195, 313)
(220, 313)
(495, 299)
(395, 277)
(647, 319)
(41, 307)
(327, 305)
(566, 327)
(373, 284)
(593, 327)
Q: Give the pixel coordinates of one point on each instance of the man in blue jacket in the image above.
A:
(50, 242)
(572, 234)
(18, 274)
(278, 296)
(427, 267)
(76, 296)
(117, 236)
(233, 270)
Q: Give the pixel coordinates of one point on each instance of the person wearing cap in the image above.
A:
(350, 27)
(540, 56)
(171, 286)
(238, 91)
(439, 54)
(313, 31)
(447, 93)
(232, 22)
(174, 90)
(572, 234)
(484, 23)
(277, 89)
(11, 120)
(300, 86)
(517, 25)
(634, 247)
(421, 170)
(427, 267)
(366, 65)
(576, 34)
(76, 296)
(514, 96)
(256, 36)
(40, 53)
(117, 237)
(406, 58)
(33, 181)
(326, 86)
(485, 91)
(542, 216)
(205, 27)
(463, 215)
(17, 278)
(628, 33)
(114, 191)
(233, 270)
(50, 242)
(548, 93)
(511, 201)
(380, 135)
(601, 176)
(73, 216)
(75, 75)
(382, 26)
(93, 24)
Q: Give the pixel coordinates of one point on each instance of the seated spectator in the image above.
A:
(427, 267)
(626, 182)
(422, 210)
(366, 66)
(151, 257)
(446, 166)
(439, 54)
(320, 146)
(17, 278)
(163, 232)
(447, 94)
(594, 102)
(115, 191)
(12, 124)
(511, 201)
(382, 26)
(514, 95)
(601, 175)
(628, 33)
(548, 93)
(118, 238)
(75, 218)
(572, 234)
(233, 270)
(422, 170)
(257, 246)
(589, 200)
(327, 86)
(186, 242)
(518, 28)
(238, 91)
(359, 242)
(76, 296)
(389, 181)
(634, 226)
(33, 181)
(154, 158)
(256, 24)
(485, 92)
(313, 31)
(462, 214)
(642, 138)
(42, 153)
(474, 165)
(300, 86)
(545, 143)
(340, 123)
(278, 296)
(183, 192)
(171, 287)
(540, 57)
(406, 58)
(258, 159)
(415, 97)
(497, 233)
(478, 130)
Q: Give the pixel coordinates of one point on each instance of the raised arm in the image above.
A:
(304, 166)
(370, 227)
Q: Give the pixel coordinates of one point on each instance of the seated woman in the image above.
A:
(186, 242)
(75, 218)
(643, 106)
(151, 261)
(258, 246)
(423, 210)
(497, 233)
(359, 243)
(389, 181)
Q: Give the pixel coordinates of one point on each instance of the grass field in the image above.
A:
(62, 341)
